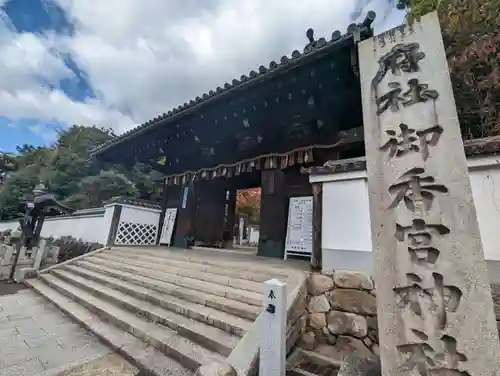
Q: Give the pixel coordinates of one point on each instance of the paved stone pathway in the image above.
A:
(37, 339)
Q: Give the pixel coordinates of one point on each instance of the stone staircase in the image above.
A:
(169, 312)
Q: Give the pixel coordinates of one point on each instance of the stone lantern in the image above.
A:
(35, 207)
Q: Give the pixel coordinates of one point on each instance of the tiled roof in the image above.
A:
(477, 147)
(314, 47)
(133, 201)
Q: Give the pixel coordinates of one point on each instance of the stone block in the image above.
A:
(24, 273)
(317, 320)
(308, 341)
(353, 280)
(372, 328)
(347, 323)
(331, 339)
(318, 284)
(343, 347)
(318, 304)
(354, 301)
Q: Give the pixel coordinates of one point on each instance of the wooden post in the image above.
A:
(317, 253)
(273, 214)
(184, 231)
(230, 219)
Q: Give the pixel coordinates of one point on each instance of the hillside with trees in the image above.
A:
(68, 171)
(471, 34)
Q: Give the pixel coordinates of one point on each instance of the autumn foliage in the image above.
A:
(248, 204)
(471, 31)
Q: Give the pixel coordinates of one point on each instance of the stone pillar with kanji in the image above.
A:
(435, 311)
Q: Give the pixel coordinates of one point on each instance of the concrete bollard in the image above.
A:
(273, 330)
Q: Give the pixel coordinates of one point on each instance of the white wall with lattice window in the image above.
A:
(137, 226)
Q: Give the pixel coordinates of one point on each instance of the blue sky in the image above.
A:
(118, 63)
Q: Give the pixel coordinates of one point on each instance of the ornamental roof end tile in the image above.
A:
(354, 30)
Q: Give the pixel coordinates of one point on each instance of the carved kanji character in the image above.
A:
(429, 137)
(409, 296)
(427, 361)
(445, 298)
(418, 355)
(391, 99)
(402, 143)
(415, 190)
(408, 140)
(420, 240)
(401, 58)
(418, 93)
(440, 298)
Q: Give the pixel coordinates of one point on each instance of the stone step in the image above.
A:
(216, 259)
(247, 297)
(198, 312)
(232, 307)
(300, 372)
(186, 264)
(186, 271)
(144, 356)
(171, 343)
(208, 336)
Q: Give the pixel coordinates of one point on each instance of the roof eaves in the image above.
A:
(473, 148)
(313, 49)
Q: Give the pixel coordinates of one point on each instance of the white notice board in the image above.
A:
(299, 227)
(168, 226)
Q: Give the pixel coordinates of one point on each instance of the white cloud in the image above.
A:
(145, 57)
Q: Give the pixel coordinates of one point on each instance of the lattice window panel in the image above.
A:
(130, 233)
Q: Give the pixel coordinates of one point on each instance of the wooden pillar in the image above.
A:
(228, 235)
(184, 232)
(209, 226)
(317, 253)
(273, 214)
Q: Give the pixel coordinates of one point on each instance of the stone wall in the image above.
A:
(495, 292)
(341, 315)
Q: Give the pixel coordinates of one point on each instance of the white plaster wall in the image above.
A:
(346, 220)
(92, 228)
(485, 183)
(89, 228)
(139, 215)
(5, 225)
(346, 232)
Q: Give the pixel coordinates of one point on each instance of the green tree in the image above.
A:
(92, 191)
(69, 172)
